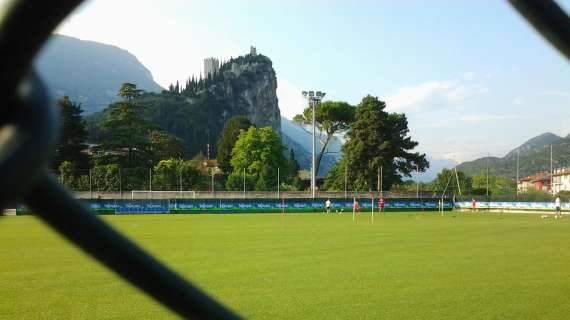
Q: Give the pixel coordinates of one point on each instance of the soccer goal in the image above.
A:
(146, 194)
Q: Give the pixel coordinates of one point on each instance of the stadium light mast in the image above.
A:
(417, 181)
(313, 98)
(518, 159)
(551, 172)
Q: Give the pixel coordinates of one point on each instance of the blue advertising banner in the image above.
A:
(256, 205)
(538, 206)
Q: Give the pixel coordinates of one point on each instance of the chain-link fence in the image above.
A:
(114, 182)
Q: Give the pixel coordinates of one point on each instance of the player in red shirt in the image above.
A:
(355, 210)
(381, 204)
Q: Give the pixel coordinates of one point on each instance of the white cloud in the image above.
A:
(433, 95)
(519, 101)
(459, 157)
(291, 101)
(480, 118)
(469, 75)
(172, 47)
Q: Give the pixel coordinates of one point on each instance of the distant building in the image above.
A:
(211, 67)
(252, 50)
(561, 180)
(537, 182)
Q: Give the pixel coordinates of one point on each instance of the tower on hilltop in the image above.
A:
(211, 66)
(252, 50)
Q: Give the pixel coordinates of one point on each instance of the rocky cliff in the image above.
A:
(248, 85)
(198, 110)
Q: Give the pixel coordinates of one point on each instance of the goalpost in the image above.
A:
(146, 194)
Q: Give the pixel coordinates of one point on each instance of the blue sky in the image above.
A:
(472, 76)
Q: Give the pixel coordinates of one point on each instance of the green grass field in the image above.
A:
(404, 266)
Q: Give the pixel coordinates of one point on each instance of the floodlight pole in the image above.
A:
(313, 166)
(381, 178)
(120, 184)
(551, 172)
(518, 156)
(487, 185)
(180, 181)
(313, 97)
(378, 181)
(90, 188)
(212, 181)
(345, 181)
(417, 181)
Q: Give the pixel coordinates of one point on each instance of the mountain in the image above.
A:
(534, 157)
(536, 142)
(90, 72)
(296, 138)
(245, 85)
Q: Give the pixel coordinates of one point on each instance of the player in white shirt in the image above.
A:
(328, 205)
(558, 208)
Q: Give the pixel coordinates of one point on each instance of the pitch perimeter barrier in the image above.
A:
(161, 206)
(511, 206)
(169, 195)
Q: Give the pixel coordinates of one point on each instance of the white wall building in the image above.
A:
(561, 180)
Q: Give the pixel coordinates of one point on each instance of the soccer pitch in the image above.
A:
(266, 266)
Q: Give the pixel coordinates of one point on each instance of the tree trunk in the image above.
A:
(321, 154)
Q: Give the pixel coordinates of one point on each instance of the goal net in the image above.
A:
(146, 194)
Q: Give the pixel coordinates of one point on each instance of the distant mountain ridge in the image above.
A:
(544, 139)
(90, 72)
(534, 156)
(294, 137)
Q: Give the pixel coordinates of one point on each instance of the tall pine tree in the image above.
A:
(71, 144)
(377, 139)
(227, 140)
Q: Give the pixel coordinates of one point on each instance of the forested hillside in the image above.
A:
(197, 110)
(534, 157)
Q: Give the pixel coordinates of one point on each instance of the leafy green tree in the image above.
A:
(259, 152)
(293, 181)
(448, 178)
(331, 117)
(106, 177)
(73, 179)
(292, 164)
(166, 175)
(173, 174)
(71, 144)
(480, 183)
(497, 185)
(66, 176)
(505, 186)
(129, 91)
(193, 178)
(377, 139)
(125, 133)
(335, 178)
(165, 146)
(227, 141)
